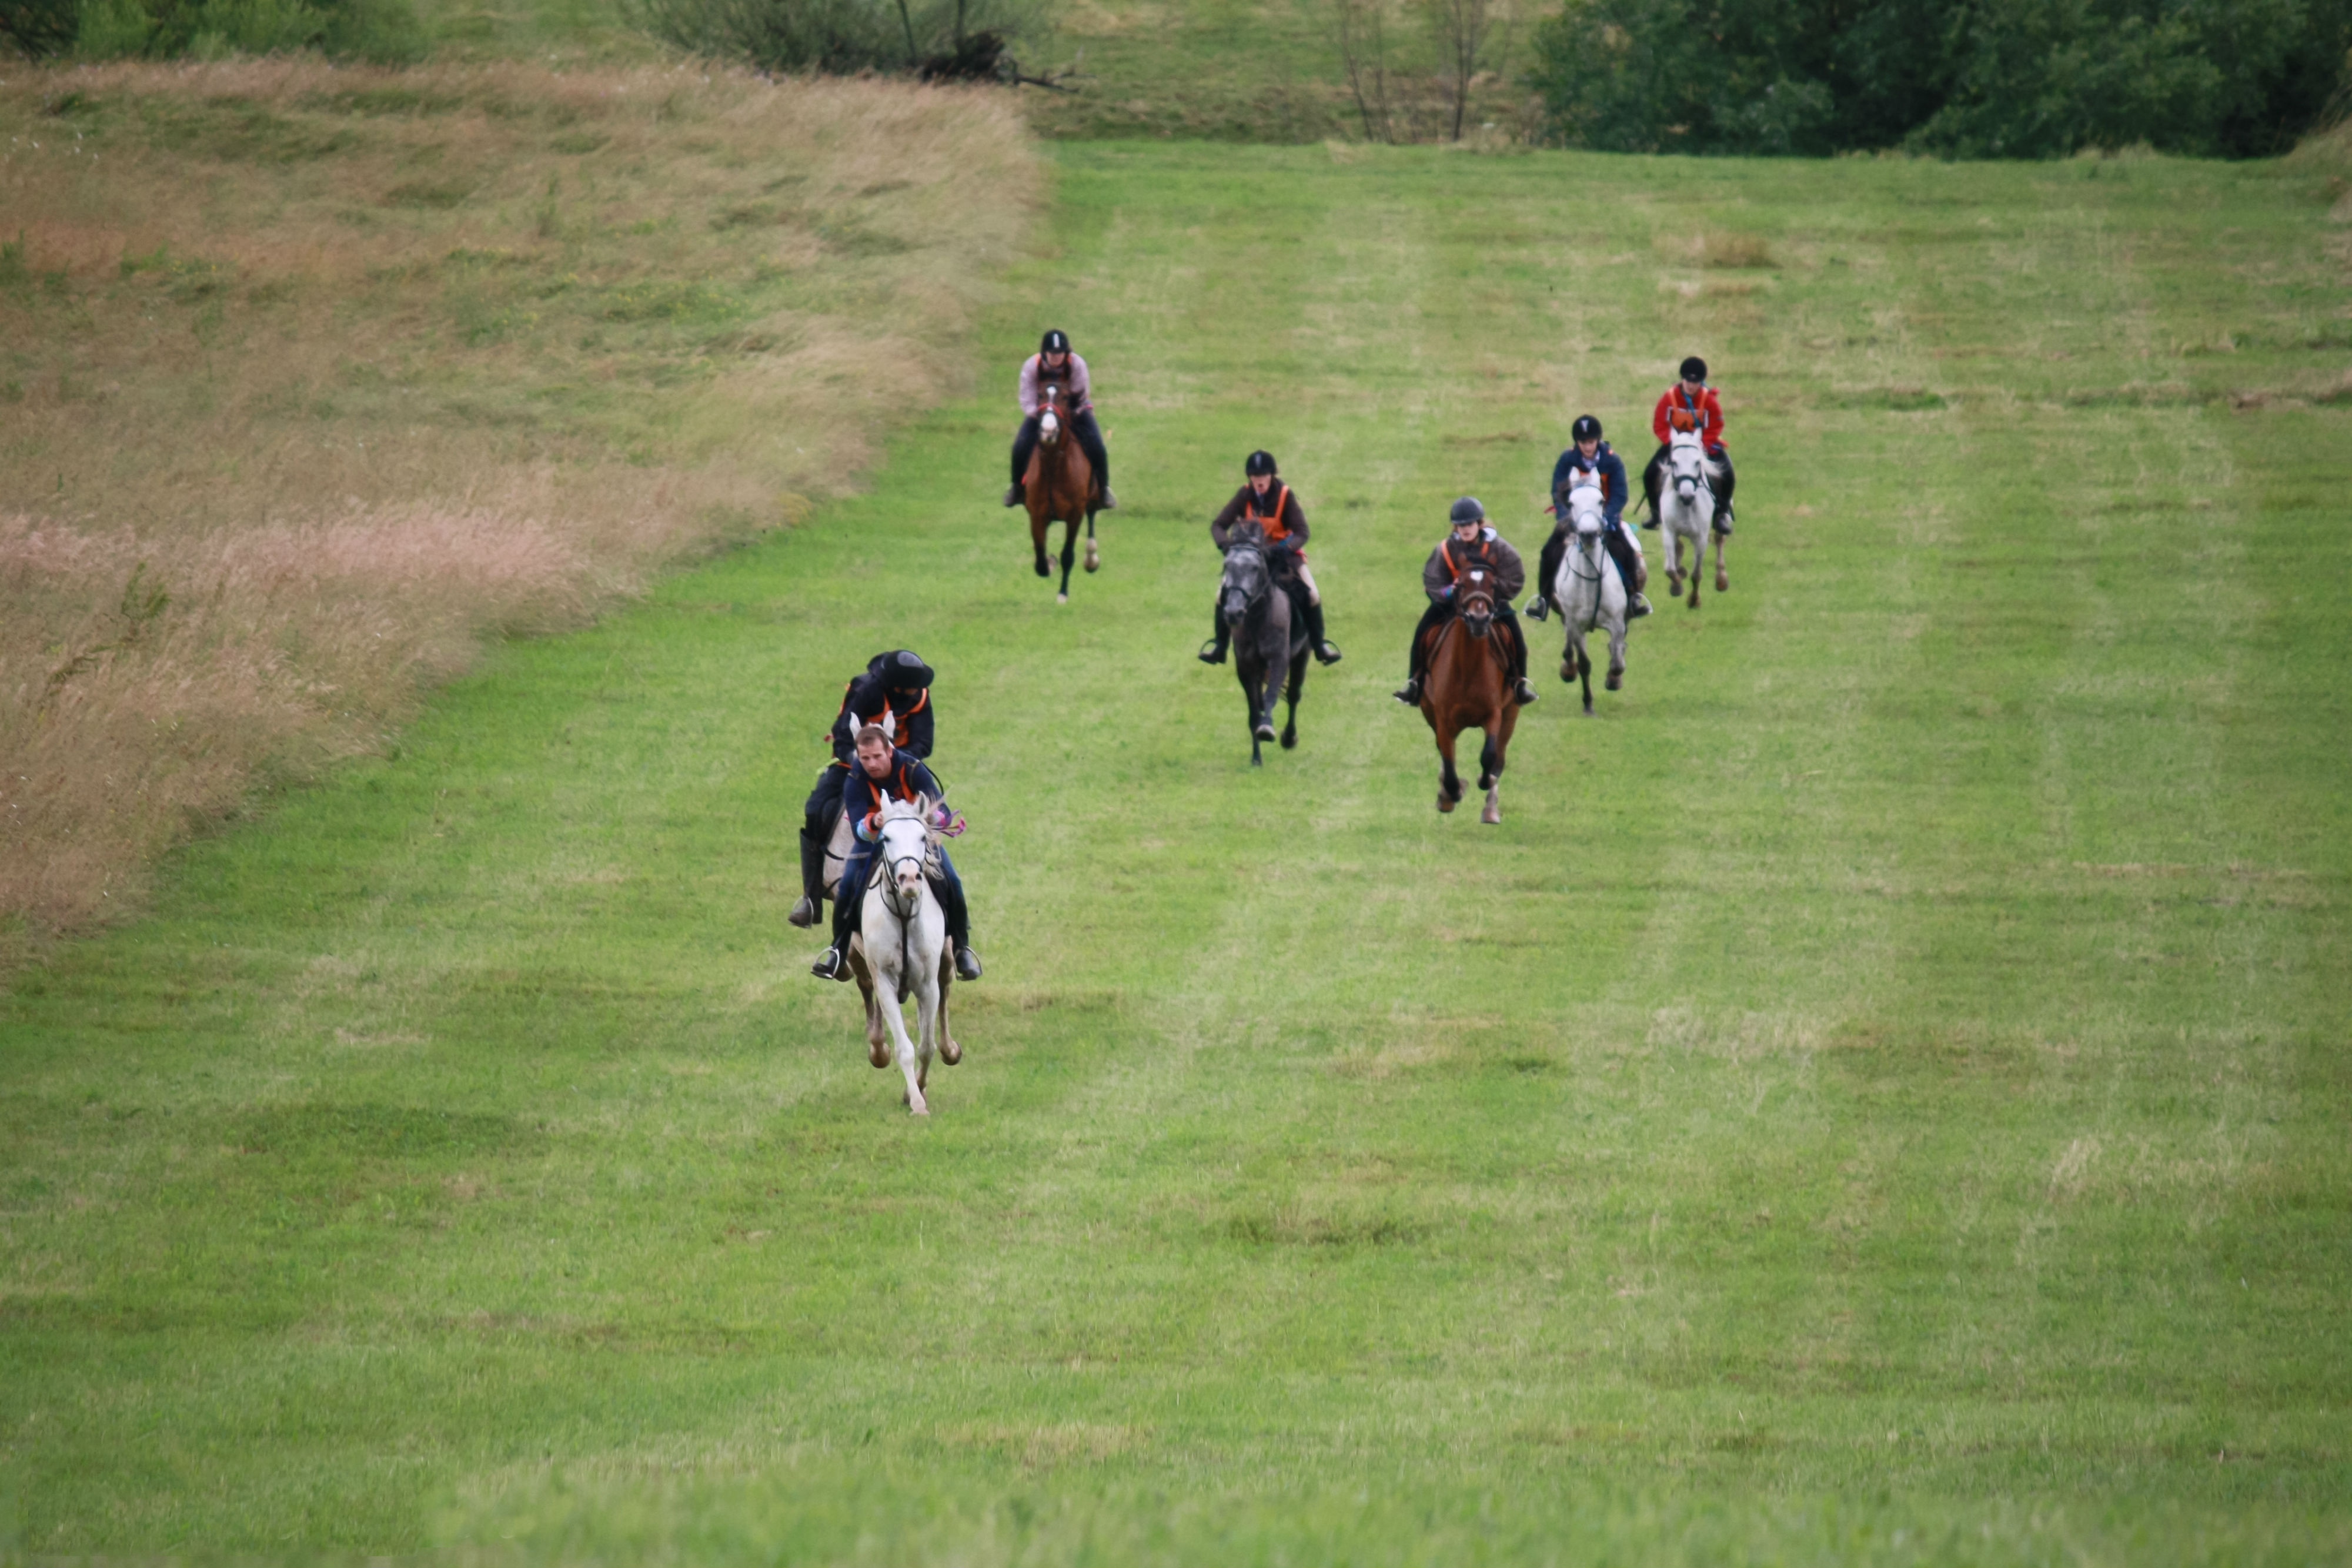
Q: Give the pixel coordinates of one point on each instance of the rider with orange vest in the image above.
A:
(1691, 404)
(1473, 545)
(1269, 505)
(1054, 364)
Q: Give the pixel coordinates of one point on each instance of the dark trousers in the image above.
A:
(1302, 609)
(851, 905)
(816, 828)
(1090, 439)
(1507, 621)
(1620, 547)
(1653, 477)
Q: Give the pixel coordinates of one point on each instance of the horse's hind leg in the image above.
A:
(1290, 722)
(1094, 557)
(1490, 758)
(1449, 782)
(1584, 674)
(1069, 558)
(1722, 574)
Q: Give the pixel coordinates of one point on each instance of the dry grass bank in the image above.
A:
(310, 378)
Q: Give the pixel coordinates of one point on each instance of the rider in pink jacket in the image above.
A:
(1053, 362)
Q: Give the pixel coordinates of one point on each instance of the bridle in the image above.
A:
(1052, 417)
(1475, 604)
(900, 902)
(1250, 594)
(1696, 478)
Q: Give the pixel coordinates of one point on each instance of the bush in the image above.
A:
(938, 38)
(1982, 78)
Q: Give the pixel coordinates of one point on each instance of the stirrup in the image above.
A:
(1410, 694)
(1211, 654)
(1637, 606)
(1539, 610)
(828, 964)
(967, 964)
(1524, 690)
(1110, 501)
(805, 913)
(1327, 654)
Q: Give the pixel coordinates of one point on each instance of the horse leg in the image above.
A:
(1264, 695)
(1722, 576)
(927, 1017)
(1094, 557)
(1673, 563)
(1584, 674)
(1490, 758)
(1290, 723)
(1069, 557)
(950, 1051)
(877, 1040)
(903, 1049)
(1617, 653)
(1449, 782)
(1038, 538)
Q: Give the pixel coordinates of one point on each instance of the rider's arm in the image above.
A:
(1081, 388)
(1713, 406)
(1029, 387)
(1613, 493)
(1510, 571)
(1435, 580)
(1660, 424)
(1220, 526)
(1294, 517)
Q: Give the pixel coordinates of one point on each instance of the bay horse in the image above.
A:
(1265, 640)
(1059, 486)
(1686, 511)
(1469, 686)
(901, 950)
(1589, 593)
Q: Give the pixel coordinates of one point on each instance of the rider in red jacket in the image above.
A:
(1695, 401)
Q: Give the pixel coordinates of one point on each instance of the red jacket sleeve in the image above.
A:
(1713, 407)
(1658, 426)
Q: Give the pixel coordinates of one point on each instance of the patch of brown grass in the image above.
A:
(281, 439)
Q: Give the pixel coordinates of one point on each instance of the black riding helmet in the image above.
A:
(904, 671)
(1056, 342)
(1466, 511)
(1693, 369)
(1586, 428)
(1259, 463)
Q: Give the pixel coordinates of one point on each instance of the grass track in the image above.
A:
(1878, 1096)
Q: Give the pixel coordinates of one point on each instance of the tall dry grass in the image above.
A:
(311, 378)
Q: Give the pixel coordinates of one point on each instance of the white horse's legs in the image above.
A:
(887, 982)
(1722, 575)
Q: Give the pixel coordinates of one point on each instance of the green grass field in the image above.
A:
(1879, 1097)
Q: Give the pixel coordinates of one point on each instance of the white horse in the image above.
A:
(900, 949)
(1686, 511)
(1589, 593)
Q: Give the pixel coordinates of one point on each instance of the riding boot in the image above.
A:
(1547, 572)
(1212, 652)
(1723, 506)
(812, 905)
(958, 914)
(833, 964)
(1522, 687)
(1325, 653)
(1014, 496)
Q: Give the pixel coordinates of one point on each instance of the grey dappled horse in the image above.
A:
(1686, 511)
(1265, 643)
(1589, 593)
(900, 950)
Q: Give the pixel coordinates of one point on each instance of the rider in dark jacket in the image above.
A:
(1590, 455)
(1474, 545)
(1273, 507)
(882, 772)
(894, 691)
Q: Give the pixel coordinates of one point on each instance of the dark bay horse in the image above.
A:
(1059, 488)
(1469, 687)
(1265, 642)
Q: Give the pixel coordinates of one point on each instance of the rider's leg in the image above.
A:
(1629, 570)
(1555, 551)
(1212, 652)
(816, 828)
(1024, 445)
(1090, 441)
(833, 962)
(1516, 635)
(1326, 650)
(1730, 479)
(1432, 619)
(1652, 479)
(949, 887)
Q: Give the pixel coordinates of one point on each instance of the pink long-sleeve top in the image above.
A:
(1072, 377)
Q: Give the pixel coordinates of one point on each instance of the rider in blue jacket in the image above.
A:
(1592, 455)
(886, 773)
(895, 692)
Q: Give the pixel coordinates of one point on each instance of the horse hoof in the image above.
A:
(1061, 599)
(951, 1052)
(878, 1058)
(1566, 670)
(1444, 803)
(1094, 561)
(1722, 583)
(1289, 740)
(1043, 570)
(1264, 732)
(1588, 708)
(1492, 815)
(1616, 679)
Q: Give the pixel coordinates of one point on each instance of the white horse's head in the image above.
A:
(1586, 510)
(906, 841)
(1686, 462)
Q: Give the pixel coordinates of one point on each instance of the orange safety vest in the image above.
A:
(1274, 527)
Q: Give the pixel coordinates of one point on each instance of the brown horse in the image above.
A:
(1059, 486)
(1469, 686)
